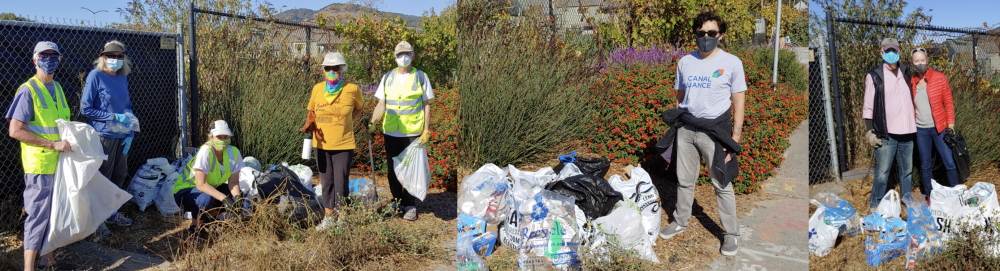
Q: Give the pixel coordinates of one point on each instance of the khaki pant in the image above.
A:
(693, 145)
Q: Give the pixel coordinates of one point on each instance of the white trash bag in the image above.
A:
(252, 162)
(889, 206)
(304, 173)
(481, 193)
(550, 235)
(412, 169)
(165, 200)
(640, 191)
(951, 212)
(624, 224)
(822, 237)
(82, 198)
(145, 186)
(247, 177)
(468, 259)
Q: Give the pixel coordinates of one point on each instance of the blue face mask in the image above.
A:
(890, 57)
(114, 64)
(48, 65)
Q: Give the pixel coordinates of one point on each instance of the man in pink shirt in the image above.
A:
(890, 120)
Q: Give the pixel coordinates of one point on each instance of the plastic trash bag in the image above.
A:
(304, 173)
(594, 166)
(822, 237)
(118, 127)
(623, 228)
(839, 213)
(294, 199)
(886, 238)
(924, 239)
(162, 165)
(641, 191)
(468, 259)
(361, 190)
(468, 224)
(482, 192)
(145, 186)
(82, 198)
(252, 162)
(550, 237)
(412, 169)
(568, 170)
(889, 206)
(165, 199)
(510, 233)
(950, 210)
(593, 195)
(247, 177)
(527, 184)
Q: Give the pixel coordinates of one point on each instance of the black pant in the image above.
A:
(393, 147)
(115, 168)
(334, 172)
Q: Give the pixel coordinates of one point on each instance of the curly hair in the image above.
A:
(709, 16)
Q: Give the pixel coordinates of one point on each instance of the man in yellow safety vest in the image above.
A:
(39, 102)
(403, 94)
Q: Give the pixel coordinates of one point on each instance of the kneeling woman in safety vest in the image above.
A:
(211, 179)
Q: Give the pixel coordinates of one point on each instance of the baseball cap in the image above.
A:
(46, 45)
(334, 59)
(890, 43)
(403, 46)
(220, 127)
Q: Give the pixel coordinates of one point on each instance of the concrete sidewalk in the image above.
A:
(774, 235)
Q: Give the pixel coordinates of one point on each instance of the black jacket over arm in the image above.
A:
(719, 129)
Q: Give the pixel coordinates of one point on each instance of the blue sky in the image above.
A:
(950, 13)
(70, 9)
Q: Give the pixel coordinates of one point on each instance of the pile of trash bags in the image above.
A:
(154, 183)
(953, 212)
(547, 216)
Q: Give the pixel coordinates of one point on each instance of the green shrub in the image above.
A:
(791, 73)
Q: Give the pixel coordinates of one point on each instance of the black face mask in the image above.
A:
(922, 68)
(707, 44)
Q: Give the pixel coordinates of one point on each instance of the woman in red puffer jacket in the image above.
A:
(935, 113)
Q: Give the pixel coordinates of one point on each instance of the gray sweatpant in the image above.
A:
(116, 167)
(690, 143)
(38, 206)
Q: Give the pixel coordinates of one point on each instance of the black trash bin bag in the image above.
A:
(956, 142)
(594, 195)
(295, 199)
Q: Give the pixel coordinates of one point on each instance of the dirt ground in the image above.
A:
(694, 249)
(154, 235)
(849, 252)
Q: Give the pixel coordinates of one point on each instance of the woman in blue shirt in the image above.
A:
(105, 100)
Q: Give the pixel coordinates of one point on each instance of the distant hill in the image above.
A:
(335, 9)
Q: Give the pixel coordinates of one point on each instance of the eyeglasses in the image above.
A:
(331, 68)
(115, 56)
(710, 33)
(47, 55)
(918, 50)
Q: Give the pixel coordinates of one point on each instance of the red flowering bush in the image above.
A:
(440, 151)
(627, 125)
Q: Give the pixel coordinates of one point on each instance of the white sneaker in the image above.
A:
(410, 213)
(327, 223)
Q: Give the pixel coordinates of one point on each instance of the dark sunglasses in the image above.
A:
(918, 50)
(115, 56)
(47, 55)
(710, 33)
(331, 68)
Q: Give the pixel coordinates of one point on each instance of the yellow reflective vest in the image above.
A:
(404, 104)
(36, 159)
(216, 175)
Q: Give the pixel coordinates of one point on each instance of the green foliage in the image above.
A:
(437, 44)
(522, 92)
(791, 73)
(13, 17)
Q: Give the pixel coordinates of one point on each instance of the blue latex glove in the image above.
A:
(128, 145)
(122, 118)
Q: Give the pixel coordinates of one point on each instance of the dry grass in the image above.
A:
(372, 240)
(849, 252)
(695, 249)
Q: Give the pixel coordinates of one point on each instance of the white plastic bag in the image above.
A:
(551, 240)
(412, 169)
(118, 127)
(304, 173)
(482, 192)
(822, 237)
(162, 165)
(889, 206)
(165, 199)
(568, 170)
(82, 198)
(624, 223)
(640, 190)
(252, 162)
(527, 184)
(950, 212)
(145, 186)
(247, 177)
(468, 259)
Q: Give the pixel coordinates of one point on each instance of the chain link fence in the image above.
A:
(970, 59)
(153, 87)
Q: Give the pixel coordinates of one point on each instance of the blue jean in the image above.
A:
(929, 139)
(899, 147)
(194, 201)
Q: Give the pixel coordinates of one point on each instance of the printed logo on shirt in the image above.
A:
(717, 73)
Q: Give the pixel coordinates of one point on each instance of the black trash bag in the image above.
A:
(594, 166)
(594, 195)
(294, 199)
(960, 151)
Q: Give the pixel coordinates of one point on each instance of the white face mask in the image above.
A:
(404, 60)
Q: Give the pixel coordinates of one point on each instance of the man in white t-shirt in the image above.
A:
(708, 82)
(403, 95)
